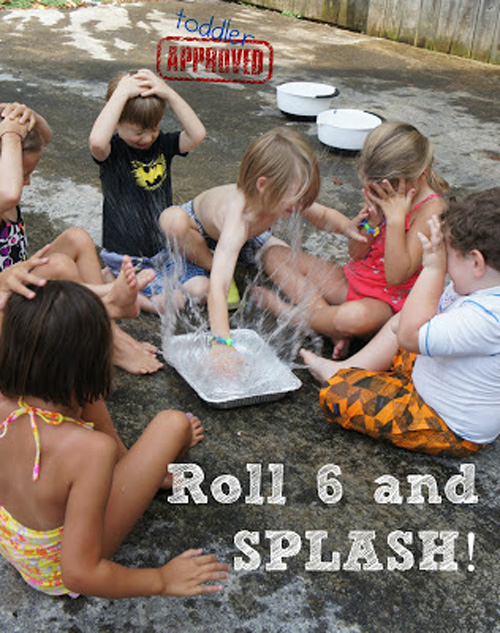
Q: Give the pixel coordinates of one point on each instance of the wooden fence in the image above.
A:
(469, 28)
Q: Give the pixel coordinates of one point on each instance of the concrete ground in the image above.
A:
(59, 61)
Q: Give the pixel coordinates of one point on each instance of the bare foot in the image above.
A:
(122, 299)
(196, 430)
(341, 349)
(149, 347)
(133, 356)
(197, 436)
(320, 368)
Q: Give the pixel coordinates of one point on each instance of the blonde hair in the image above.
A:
(144, 111)
(398, 150)
(284, 158)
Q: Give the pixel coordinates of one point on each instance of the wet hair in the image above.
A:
(56, 346)
(398, 150)
(474, 223)
(284, 157)
(146, 112)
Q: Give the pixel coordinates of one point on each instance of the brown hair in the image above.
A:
(474, 223)
(144, 111)
(398, 150)
(284, 157)
(57, 346)
(33, 142)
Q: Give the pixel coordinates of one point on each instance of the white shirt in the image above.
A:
(458, 370)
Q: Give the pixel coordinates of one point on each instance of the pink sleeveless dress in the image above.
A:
(366, 276)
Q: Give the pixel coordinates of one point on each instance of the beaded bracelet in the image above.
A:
(13, 132)
(218, 339)
(369, 229)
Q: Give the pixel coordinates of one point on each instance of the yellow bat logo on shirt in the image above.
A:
(150, 175)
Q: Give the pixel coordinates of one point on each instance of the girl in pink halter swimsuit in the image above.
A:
(366, 276)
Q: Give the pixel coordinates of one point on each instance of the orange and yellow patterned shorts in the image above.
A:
(386, 405)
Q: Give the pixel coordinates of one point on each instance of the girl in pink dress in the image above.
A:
(401, 192)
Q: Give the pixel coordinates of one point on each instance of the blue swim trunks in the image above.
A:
(162, 263)
(249, 250)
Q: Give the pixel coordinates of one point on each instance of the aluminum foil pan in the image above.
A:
(261, 377)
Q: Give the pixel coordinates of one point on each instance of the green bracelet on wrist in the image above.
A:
(218, 339)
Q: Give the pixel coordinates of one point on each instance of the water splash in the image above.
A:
(283, 335)
(251, 374)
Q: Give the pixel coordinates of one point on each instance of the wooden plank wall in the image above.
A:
(469, 28)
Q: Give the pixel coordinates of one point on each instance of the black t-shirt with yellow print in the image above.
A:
(136, 186)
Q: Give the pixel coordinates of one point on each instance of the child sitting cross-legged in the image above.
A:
(429, 380)
(279, 174)
(69, 491)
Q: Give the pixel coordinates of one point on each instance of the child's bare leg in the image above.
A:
(376, 355)
(300, 275)
(181, 230)
(128, 354)
(340, 323)
(78, 246)
(361, 318)
(196, 288)
(154, 304)
(139, 474)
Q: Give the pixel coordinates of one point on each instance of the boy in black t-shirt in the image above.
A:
(134, 158)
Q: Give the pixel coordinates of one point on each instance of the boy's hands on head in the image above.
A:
(434, 249)
(128, 87)
(394, 203)
(186, 575)
(152, 85)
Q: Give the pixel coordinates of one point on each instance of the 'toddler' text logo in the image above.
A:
(220, 33)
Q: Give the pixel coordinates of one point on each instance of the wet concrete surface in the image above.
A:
(59, 62)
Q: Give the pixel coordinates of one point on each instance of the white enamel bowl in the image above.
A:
(304, 98)
(346, 129)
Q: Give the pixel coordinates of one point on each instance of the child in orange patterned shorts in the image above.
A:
(439, 392)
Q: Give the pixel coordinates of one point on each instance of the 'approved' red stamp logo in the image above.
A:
(200, 59)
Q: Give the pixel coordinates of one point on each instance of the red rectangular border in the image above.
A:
(218, 79)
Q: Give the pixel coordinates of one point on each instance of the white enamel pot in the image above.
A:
(304, 98)
(346, 129)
